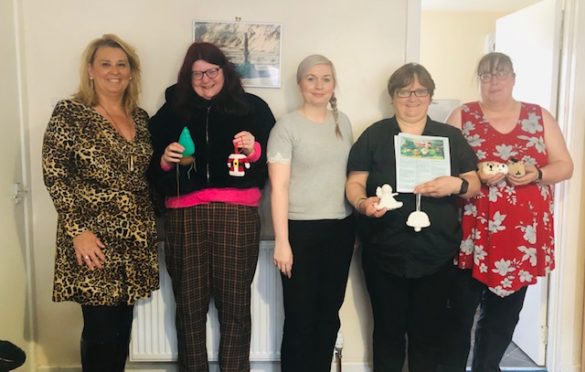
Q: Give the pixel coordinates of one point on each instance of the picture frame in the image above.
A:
(254, 48)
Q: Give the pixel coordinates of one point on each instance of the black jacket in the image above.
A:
(212, 130)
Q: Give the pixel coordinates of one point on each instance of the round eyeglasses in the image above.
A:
(405, 93)
(211, 73)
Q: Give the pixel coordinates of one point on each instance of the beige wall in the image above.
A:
(365, 53)
(451, 45)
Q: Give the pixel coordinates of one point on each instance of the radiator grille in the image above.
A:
(153, 330)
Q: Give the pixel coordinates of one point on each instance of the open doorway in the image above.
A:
(454, 36)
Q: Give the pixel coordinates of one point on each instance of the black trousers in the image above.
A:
(406, 311)
(107, 323)
(322, 251)
(495, 327)
(105, 337)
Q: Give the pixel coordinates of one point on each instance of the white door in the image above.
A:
(14, 306)
(531, 37)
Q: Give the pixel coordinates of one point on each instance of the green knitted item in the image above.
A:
(186, 141)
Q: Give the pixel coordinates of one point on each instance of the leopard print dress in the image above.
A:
(96, 180)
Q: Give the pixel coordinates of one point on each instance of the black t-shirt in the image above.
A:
(388, 241)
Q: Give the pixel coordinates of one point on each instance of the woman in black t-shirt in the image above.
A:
(408, 272)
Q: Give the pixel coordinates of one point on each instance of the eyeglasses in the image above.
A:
(498, 75)
(211, 73)
(404, 93)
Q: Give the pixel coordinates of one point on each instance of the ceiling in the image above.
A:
(476, 5)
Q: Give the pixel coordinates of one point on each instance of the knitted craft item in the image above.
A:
(186, 141)
(238, 163)
(387, 198)
(418, 219)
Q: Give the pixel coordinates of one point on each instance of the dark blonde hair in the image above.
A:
(405, 75)
(494, 61)
(87, 94)
(317, 59)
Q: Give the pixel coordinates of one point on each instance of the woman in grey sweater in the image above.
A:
(313, 226)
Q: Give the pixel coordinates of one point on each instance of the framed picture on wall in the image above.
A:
(253, 47)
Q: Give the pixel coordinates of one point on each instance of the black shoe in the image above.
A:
(11, 356)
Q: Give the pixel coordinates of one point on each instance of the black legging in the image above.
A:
(107, 324)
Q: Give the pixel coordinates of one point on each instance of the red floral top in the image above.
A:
(508, 237)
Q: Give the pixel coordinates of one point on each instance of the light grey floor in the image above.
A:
(514, 357)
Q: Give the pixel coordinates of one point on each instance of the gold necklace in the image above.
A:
(131, 157)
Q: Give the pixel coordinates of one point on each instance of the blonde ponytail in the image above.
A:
(333, 103)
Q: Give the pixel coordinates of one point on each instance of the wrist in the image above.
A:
(463, 187)
(283, 246)
(256, 152)
(538, 175)
(281, 239)
(358, 204)
(165, 166)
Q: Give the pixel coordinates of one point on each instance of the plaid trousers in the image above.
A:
(212, 250)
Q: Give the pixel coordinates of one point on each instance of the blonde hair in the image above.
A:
(317, 59)
(87, 94)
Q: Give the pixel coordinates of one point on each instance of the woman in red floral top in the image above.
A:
(508, 237)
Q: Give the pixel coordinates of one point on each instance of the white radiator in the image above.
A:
(153, 330)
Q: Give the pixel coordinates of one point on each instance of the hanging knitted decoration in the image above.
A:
(186, 141)
(188, 158)
(418, 219)
(238, 163)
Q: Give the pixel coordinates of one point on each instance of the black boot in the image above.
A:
(120, 356)
(103, 357)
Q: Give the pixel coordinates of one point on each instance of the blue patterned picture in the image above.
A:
(253, 47)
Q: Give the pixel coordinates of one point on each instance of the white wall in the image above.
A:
(366, 41)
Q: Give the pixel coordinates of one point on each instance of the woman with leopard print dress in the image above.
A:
(95, 152)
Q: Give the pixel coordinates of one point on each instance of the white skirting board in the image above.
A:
(153, 329)
(254, 367)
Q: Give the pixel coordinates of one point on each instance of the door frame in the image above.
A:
(22, 193)
(567, 282)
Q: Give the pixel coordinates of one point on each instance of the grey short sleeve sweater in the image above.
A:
(318, 159)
